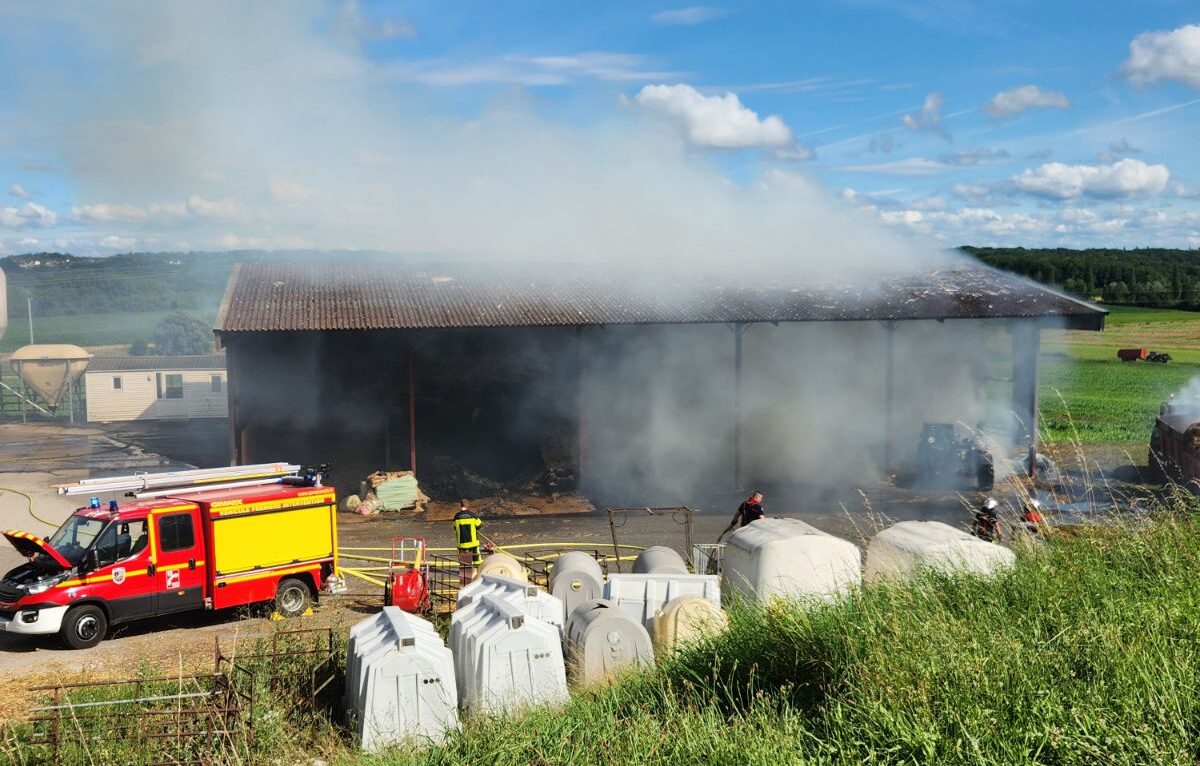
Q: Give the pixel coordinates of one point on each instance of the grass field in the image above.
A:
(1089, 395)
(87, 329)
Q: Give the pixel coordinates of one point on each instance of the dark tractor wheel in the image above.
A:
(84, 627)
(293, 597)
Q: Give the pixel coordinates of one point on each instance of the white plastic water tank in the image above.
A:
(787, 558)
(531, 599)
(511, 660)
(683, 620)
(504, 565)
(399, 681)
(641, 596)
(575, 579)
(659, 559)
(899, 551)
(603, 641)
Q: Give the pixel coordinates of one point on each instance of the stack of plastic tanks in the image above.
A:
(575, 579)
(683, 620)
(503, 565)
(659, 559)
(535, 601)
(900, 551)
(506, 659)
(786, 558)
(602, 641)
(641, 596)
(399, 681)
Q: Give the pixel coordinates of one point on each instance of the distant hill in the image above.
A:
(1143, 277)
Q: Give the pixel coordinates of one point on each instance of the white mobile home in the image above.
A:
(156, 388)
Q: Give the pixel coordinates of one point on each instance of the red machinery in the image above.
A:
(407, 584)
(1131, 354)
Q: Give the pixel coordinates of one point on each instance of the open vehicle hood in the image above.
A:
(28, 545)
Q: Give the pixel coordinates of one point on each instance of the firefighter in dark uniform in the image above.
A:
(466, 535)
(986, 522)
(750, 510)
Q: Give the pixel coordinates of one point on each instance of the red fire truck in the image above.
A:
(177, 541)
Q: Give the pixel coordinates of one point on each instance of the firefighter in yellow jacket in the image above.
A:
(466, 535)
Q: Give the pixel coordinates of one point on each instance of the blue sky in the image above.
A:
(446, 126)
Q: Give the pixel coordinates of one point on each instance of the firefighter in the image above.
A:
(750, 510)
(1032, 517)
(466, 535)
(986, 525)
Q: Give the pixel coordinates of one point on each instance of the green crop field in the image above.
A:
(1089, 395)
(88, 329)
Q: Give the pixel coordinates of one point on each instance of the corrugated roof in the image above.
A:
(266, 297)
(139, 363)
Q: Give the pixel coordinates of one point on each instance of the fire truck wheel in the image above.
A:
(293, 597)
(84, 627)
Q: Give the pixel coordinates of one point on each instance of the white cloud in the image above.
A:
(690, 16)
(928, 118)
(289, 192)
(719, 122)
(158, 212)
(793, 153)
(1015, 101)
(19, 192)
(912, 166)
(352, 23)
(1125, 178)
(118, 242)
(1157, 56)
(28, 216)
(1118, 149)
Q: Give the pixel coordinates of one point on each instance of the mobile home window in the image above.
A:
(116, 382)
(216, 384)
(170, 386)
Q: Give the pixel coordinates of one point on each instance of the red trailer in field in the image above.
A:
(1175, 441)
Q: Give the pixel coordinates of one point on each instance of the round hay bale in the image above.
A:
(350, 503)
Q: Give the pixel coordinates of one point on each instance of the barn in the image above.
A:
(628, 388)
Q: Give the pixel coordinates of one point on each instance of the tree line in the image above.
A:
(1154, 277)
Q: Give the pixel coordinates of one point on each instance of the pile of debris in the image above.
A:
(387, 491)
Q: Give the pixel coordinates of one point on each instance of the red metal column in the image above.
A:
(412, 416)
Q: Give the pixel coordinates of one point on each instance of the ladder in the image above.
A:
(147, 485)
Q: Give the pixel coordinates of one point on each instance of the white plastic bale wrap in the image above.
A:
(400, 683)
(641, 596)
(603, 641)
(659, 559)
(575, 579)
(510, 659)
(789, 559)
(900, 551)
(503, 565)
(684, 620)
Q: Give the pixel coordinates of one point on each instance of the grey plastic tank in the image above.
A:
(399, 681)
(576, 579)
(659, 559)
(503, 565)
(509, 659)
(603, 641)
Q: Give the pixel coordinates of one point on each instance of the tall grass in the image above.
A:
(1087, 652)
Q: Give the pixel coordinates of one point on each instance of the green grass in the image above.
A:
(87, 329)
(1090, 395)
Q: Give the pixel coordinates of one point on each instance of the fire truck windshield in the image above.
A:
(75, 536)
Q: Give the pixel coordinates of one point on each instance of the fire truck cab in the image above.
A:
(187, 540)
